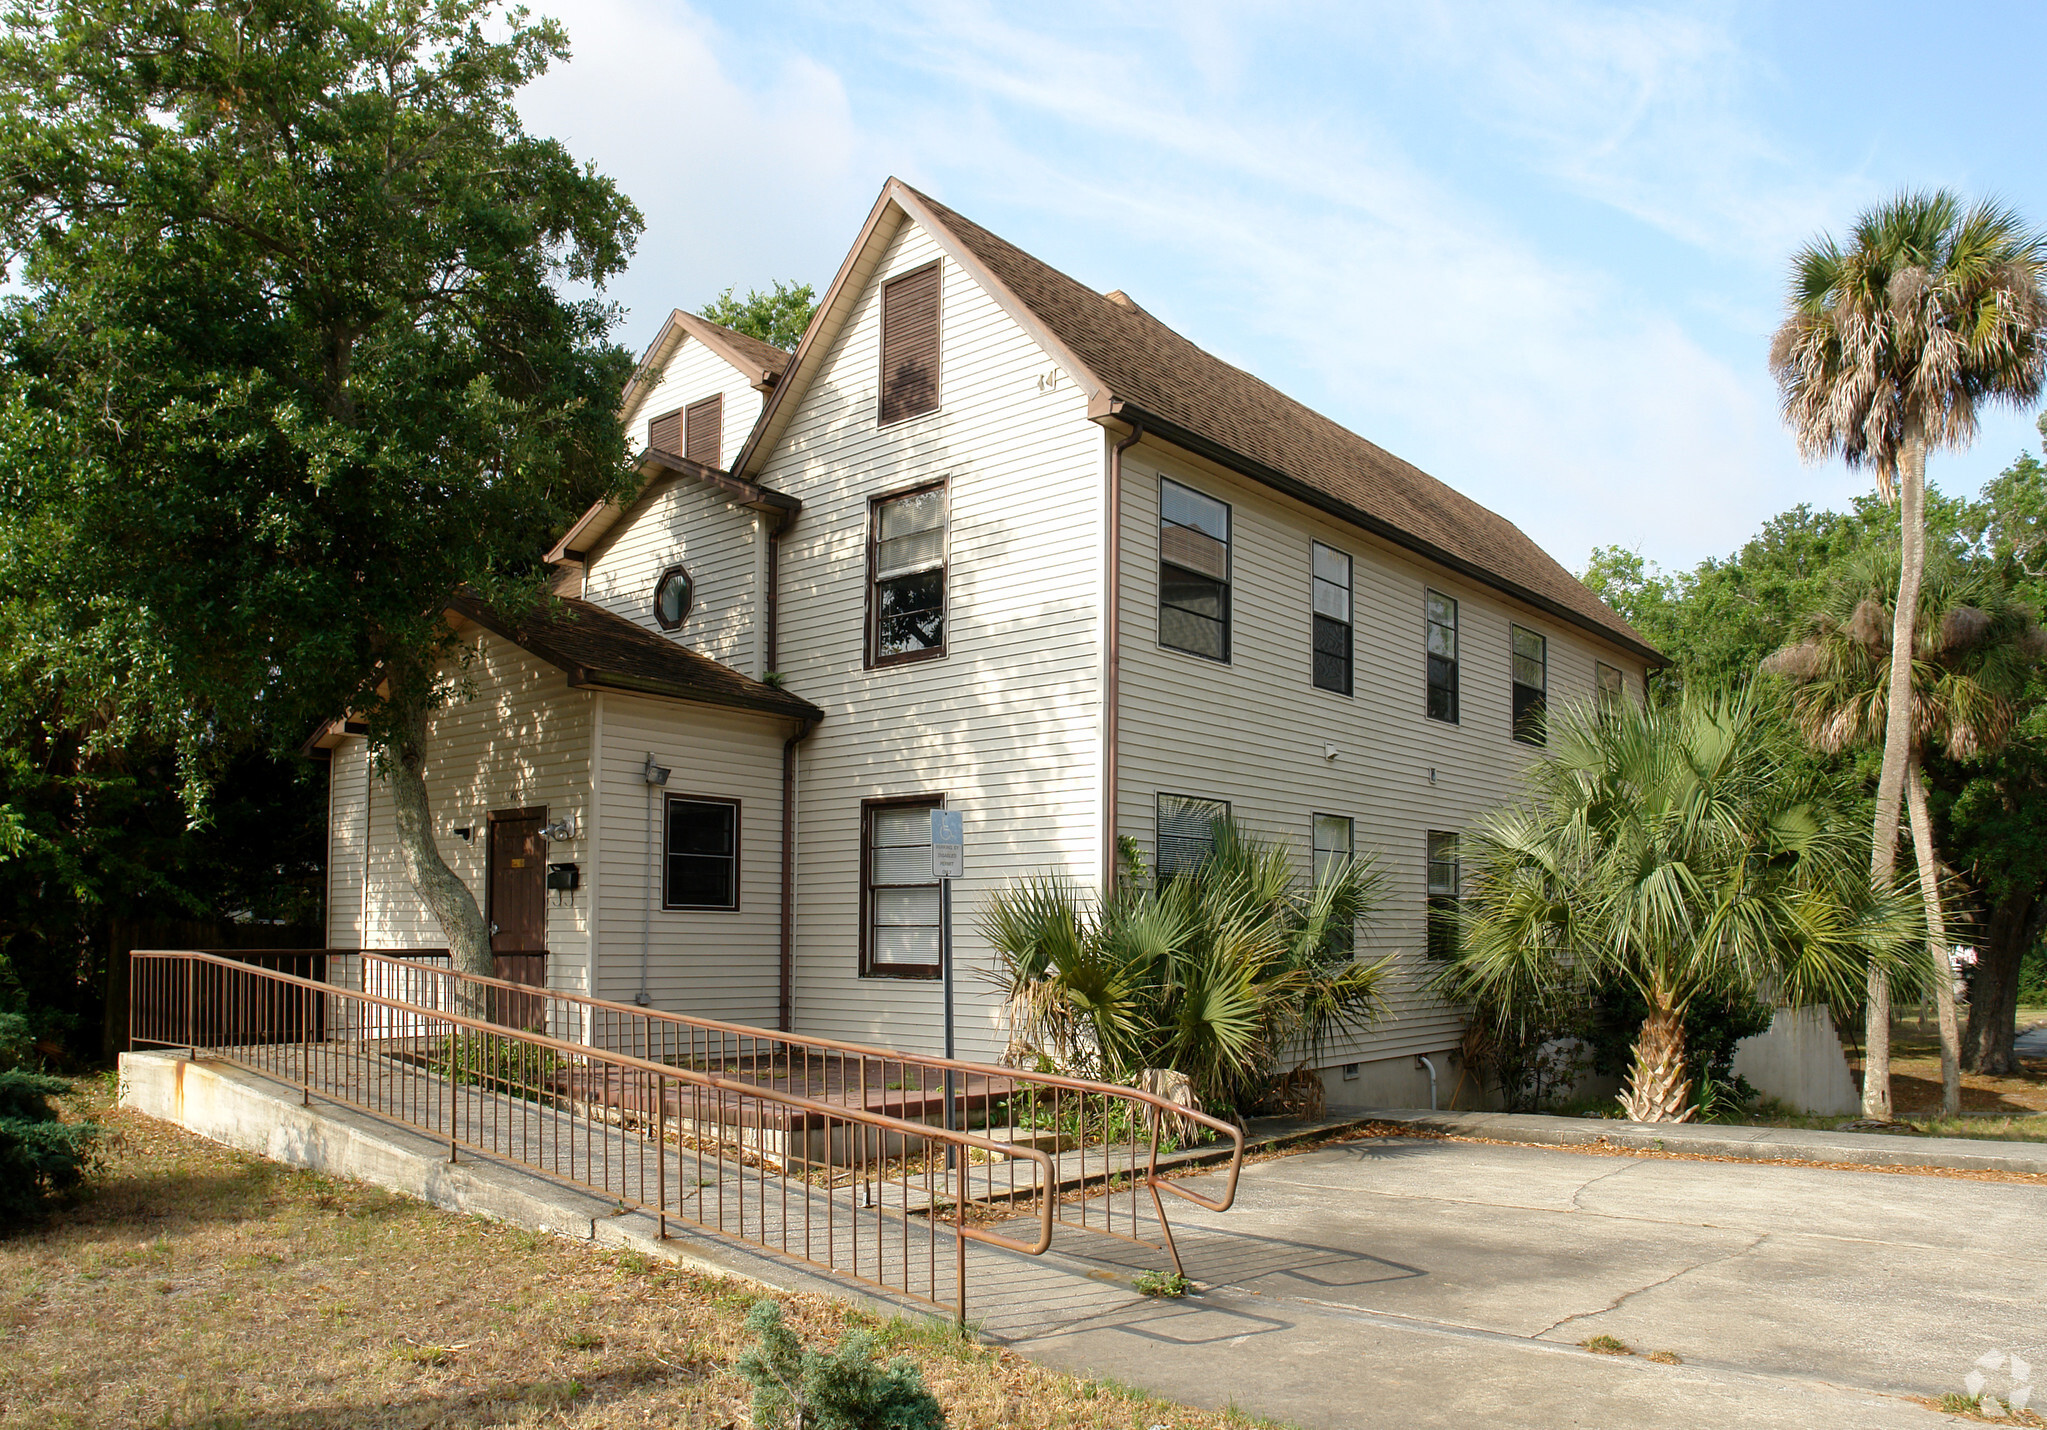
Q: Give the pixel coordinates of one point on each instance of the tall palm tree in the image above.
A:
(1973, 646)
(1669, 849)
(1892, 343)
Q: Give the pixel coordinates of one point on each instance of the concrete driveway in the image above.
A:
(1413, 1283)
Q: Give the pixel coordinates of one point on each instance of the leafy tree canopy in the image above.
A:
(778, 317)
(289, 366)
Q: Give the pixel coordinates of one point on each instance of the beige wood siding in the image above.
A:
(690, 524)
(707, 964)
(1005, 725)
(348, 809)
(1254, 731)
(521, 740)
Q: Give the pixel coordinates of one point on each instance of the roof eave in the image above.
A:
(1107, 410)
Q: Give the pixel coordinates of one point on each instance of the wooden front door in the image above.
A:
(518, 882)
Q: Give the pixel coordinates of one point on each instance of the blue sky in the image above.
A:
(1537, 249)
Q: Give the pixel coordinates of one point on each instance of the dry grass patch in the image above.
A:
(203, 1289)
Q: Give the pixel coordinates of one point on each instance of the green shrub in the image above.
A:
(796, 1388)
(42, 1157)
(501, 1065)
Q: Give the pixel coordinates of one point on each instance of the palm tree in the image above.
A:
(1217, 973)
(1891, 345)
(1670, 849)
(1973, 647)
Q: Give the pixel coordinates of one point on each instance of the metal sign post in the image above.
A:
(948, 862)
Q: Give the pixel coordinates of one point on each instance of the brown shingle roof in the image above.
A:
(1193, 398)
(598, 649)
(767, 356)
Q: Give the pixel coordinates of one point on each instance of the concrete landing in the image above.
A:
(1749, 1144)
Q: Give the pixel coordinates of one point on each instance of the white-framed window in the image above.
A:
(1194, 572)
(1186, 830)
(1330, 599)
(906, 559)
(1612, 685)
(1531, 684)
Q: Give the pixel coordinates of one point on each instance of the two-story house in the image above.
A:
(992, 541)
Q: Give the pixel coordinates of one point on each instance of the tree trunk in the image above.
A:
(444, 894)
(1890, 785)
(1658, 1090)
(1994, 992)
(1936, 941)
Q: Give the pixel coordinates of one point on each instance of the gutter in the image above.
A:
(1116, 408)
(785, 1009)
(1112, 677)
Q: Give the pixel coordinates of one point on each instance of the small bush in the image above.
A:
(42, 1157)
(501, 1065)
(796, 1388)
(1168, 1284)
(1607, 1346)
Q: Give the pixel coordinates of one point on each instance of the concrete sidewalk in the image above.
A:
(1752, 1144)
(1417, 1283)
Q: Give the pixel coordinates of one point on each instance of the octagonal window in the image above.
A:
(674, 594)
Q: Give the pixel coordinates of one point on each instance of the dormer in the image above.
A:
(698, 389)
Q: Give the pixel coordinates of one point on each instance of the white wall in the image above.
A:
(722, 965)
(1253, 731)
(691, 524)
(522, 740)
(1005, 725)
(348, 812)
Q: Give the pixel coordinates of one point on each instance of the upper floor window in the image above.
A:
(703, 425)
(1531, 684)
(1441, 613)
(1194, 572)
(909, 345)
(898, 892)
(1446, 887)
(1331, 600)
(906, 555)
(1612, 684)
(674, 594)
(701, 867)
(1186, 831)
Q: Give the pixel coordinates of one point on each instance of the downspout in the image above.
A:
(1112, 615)
(785, 1010)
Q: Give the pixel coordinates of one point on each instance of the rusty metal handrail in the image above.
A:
(1158, 1108)
(241, 1023)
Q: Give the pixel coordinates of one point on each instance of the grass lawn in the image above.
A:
(203, 1289)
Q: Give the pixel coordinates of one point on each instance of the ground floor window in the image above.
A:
(1186, 830)
(1446, 887)
(1335, 848)
(898, 895)
(701, 867)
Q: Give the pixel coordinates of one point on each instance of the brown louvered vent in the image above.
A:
(705, 423)
(909, 345)
(664, 433)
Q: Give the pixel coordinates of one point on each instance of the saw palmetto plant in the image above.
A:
(1671, 850)
(1224, 973)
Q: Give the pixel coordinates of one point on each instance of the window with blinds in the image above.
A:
(701, 865)
(909, 345)
(1335, 847)
(664, 433)
(1531, 684)
(899, 897)
(906, 554)
(1194, 572)
(1331, 601)
(1446, 888)
(1440, 615)
(704, 429)
(1186, 831)
(1611, 685)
